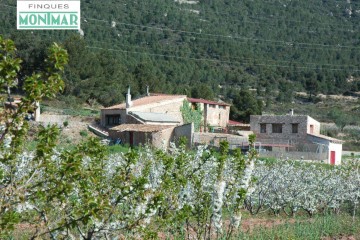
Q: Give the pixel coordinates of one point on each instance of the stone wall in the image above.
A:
(162, 138)
(186, 130)
(171, 107)
(286, 121)
(217, 115)
(296, 155)
(122, 135)
(215, 138)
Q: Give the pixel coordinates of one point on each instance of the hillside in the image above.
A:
(203, 48)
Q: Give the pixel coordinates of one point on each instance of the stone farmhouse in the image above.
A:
(295, 137)
(215, 114)
(157, 119)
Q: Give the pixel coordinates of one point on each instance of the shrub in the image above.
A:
(84, 133)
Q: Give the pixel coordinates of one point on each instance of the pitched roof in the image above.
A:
(153, 98)
(154, 117)
(200, 100)
(139, 128)
(334, 140)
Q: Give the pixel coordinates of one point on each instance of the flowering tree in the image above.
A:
(84, 193)
(290, 186)
(13, 181)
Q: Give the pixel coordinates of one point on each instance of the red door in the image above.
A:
(332, 157)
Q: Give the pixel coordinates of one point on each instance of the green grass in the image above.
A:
(118, 148)
(310, 229)
(64, 144)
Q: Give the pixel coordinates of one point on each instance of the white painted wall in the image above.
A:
(316, 124)
(337, 147)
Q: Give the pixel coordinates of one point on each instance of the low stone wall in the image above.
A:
(214, 139)
(186, 130)
(54, 119)
(295, 155)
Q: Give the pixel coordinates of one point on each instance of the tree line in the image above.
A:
(207, 50)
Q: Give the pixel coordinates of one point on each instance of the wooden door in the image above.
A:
(332, 158)
(311, 129)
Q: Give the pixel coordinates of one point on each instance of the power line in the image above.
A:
(202, 11)
(226, 36)
(218, 56)
(216, 61)
(244, 42)
(217, 35)
(250, 16)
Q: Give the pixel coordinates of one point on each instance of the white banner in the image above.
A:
(51, 14)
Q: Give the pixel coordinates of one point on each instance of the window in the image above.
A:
(295, 127)
(112, 120)
(222, 107)
(212, 105)
(277, 128)
(262, 127)
(194, 106)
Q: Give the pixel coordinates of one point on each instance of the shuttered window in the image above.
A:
(276, 128)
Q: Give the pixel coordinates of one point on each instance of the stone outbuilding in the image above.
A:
(295, 136)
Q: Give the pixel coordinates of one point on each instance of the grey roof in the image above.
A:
(330, 139)
(139, 128)
(154, 117)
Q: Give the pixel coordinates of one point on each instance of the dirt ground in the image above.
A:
(74, 128)
(340, 238)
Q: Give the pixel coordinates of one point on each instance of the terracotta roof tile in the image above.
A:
(147, 100)
(200, 100)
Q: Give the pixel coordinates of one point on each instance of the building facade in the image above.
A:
(157, 118)
(215, 114)
(295, 136)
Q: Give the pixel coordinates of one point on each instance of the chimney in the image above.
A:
(147, 91)
(37, 112)
(128, 99)
(291, 112)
